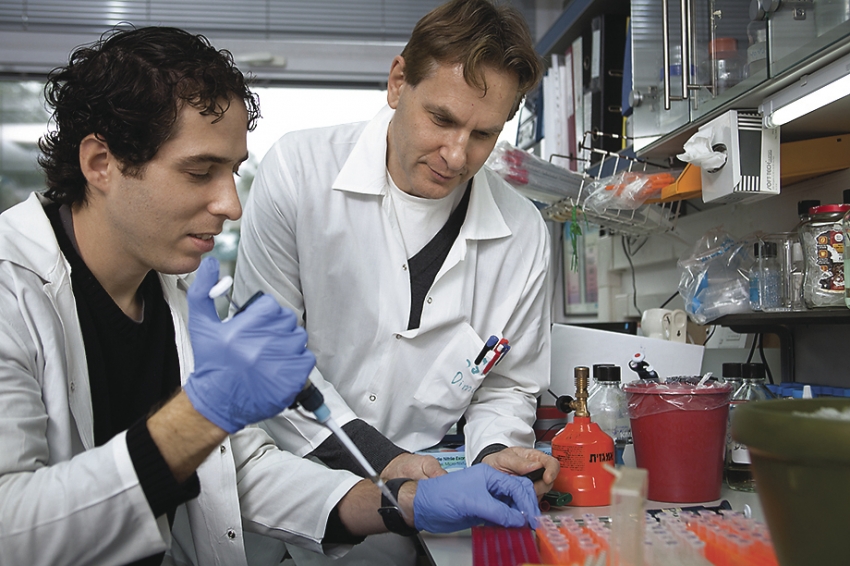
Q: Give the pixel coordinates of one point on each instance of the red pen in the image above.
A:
(498, 351)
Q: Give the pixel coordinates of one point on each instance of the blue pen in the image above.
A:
(491, 341)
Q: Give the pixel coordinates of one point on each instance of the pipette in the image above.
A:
(311, 399)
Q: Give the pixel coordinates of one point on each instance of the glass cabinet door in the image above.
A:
(650, 119)
(798, 29)
(730, 52)
(723, 55)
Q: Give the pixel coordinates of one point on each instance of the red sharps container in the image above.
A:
(679, 433)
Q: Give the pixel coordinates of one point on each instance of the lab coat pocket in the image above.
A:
(454, 377)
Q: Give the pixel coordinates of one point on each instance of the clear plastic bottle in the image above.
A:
(738, 474)
(609, 408)
(732, 376)
(594, 382)
(766, 288)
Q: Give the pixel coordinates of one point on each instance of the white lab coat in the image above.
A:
(64, 501)
(319, 234)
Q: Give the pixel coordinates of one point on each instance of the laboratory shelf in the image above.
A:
(813, 343)
(759, 319)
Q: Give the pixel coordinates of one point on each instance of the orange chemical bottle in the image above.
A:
(582, 448)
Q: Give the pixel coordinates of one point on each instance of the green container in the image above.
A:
(802, 470)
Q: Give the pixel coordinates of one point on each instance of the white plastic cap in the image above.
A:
(221, 287)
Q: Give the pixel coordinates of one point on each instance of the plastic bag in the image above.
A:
(625, 191)
(680, 394)
(530, 173)
(714, 279)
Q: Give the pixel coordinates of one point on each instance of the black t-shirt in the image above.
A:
(133, 369)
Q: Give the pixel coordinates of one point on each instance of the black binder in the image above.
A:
(607, 40)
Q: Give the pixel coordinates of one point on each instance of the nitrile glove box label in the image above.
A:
(450, 459)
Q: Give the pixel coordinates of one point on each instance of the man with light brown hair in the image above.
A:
(403, 255)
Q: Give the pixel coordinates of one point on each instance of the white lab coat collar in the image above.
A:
(365, 172)
(34, 247)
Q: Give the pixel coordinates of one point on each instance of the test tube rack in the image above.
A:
(703, 538)
(499, 546)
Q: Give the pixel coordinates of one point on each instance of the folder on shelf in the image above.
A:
(608, 44)
(608, 47)
(628, 73)
(578, 101)
(551, 111)
(567, 85)
(559, 113)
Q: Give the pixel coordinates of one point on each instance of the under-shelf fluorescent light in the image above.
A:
(809, 93)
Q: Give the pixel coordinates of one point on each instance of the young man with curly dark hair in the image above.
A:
(124, 399)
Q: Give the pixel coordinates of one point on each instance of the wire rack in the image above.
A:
(561, 193)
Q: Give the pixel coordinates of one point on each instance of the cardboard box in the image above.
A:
(578, 346)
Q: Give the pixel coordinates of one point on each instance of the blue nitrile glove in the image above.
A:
(247, 368)
(476, 495)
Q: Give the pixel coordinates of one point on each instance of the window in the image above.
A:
(23, 120)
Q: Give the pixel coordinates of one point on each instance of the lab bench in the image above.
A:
(456, 549)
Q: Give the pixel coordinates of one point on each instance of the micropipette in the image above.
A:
(312, 400)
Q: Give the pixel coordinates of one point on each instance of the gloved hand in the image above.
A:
(248, 368)
(476, 495)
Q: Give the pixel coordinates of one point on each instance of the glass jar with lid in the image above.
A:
(846, 229)
(725, 62)
(822, 238)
